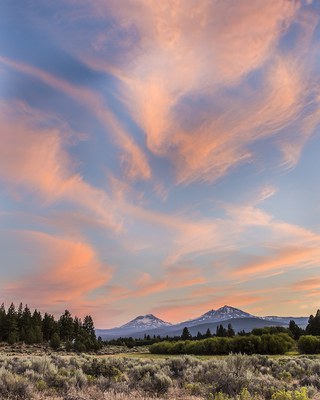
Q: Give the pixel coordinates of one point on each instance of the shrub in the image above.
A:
(41, 385)
(159, 383)
(309, 344)
(111, 368)
(14, 386)
(301, 394)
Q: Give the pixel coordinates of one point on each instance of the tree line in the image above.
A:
(268, 340)
(23, 325)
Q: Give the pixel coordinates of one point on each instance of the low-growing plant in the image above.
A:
(301, 394)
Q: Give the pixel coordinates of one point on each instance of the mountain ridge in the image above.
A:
(149, 324)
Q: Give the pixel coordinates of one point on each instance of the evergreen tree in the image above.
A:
(88, 326)
(77, 326)
(11, 326)
(32, 328)
(230, 331)
(49, 327)
(19, 320)
(208, 333)
(66, 327)
(313, 327)
(26, 331)
(37, 326)
(221, 331)
(295, 330)
(185, 334)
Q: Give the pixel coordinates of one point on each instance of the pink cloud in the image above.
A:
(173, 278)
(35, 159)
(175, 63)
(194, 308)
(66, 271)
(284, 258)
(312, 284)
(133, 159)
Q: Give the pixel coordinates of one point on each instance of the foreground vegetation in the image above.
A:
(89, 377)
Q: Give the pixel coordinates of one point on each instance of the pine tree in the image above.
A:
(88, 326)
(49, 326)
(295, 330)
(66, 326)
(221, 331)
(77, 326)
(185, 334)
(19, 320)
(313, 327)
(26, 332)
(208, 333)
(230, 331)
(37, 326)
(11, 326)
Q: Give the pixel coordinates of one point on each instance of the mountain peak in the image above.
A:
(144, 322)
(228, 312)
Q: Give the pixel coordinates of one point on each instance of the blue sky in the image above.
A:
(160, 157)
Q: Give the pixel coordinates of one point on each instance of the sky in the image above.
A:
(160, 157)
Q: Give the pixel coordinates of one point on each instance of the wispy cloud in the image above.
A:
(167, 138)
(172, 70)
(34, 158)
(134, 160)
(65, 273)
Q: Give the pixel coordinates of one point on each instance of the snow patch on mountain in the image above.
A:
(227, 312)
(145, 322)
(222, 314)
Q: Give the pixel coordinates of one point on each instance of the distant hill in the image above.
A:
(240, 320)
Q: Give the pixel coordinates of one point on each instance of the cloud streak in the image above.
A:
(65, 271)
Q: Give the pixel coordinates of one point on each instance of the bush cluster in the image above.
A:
(264, 344)
(309, 344)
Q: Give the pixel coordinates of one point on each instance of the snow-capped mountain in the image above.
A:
(222, 314)
(144, 322)
(206, 317)
(240, 320)
(227, 312)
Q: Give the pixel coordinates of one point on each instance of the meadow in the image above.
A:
(141, 376)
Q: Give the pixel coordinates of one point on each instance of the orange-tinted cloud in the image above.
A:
(133, 159)
(175, 63)
(311, 284)
(175, 278)
(284, 258)
(177, 313)
(35, 158)
(167, 52)
(65, 273)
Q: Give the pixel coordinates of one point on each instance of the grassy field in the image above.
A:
(142, 376)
